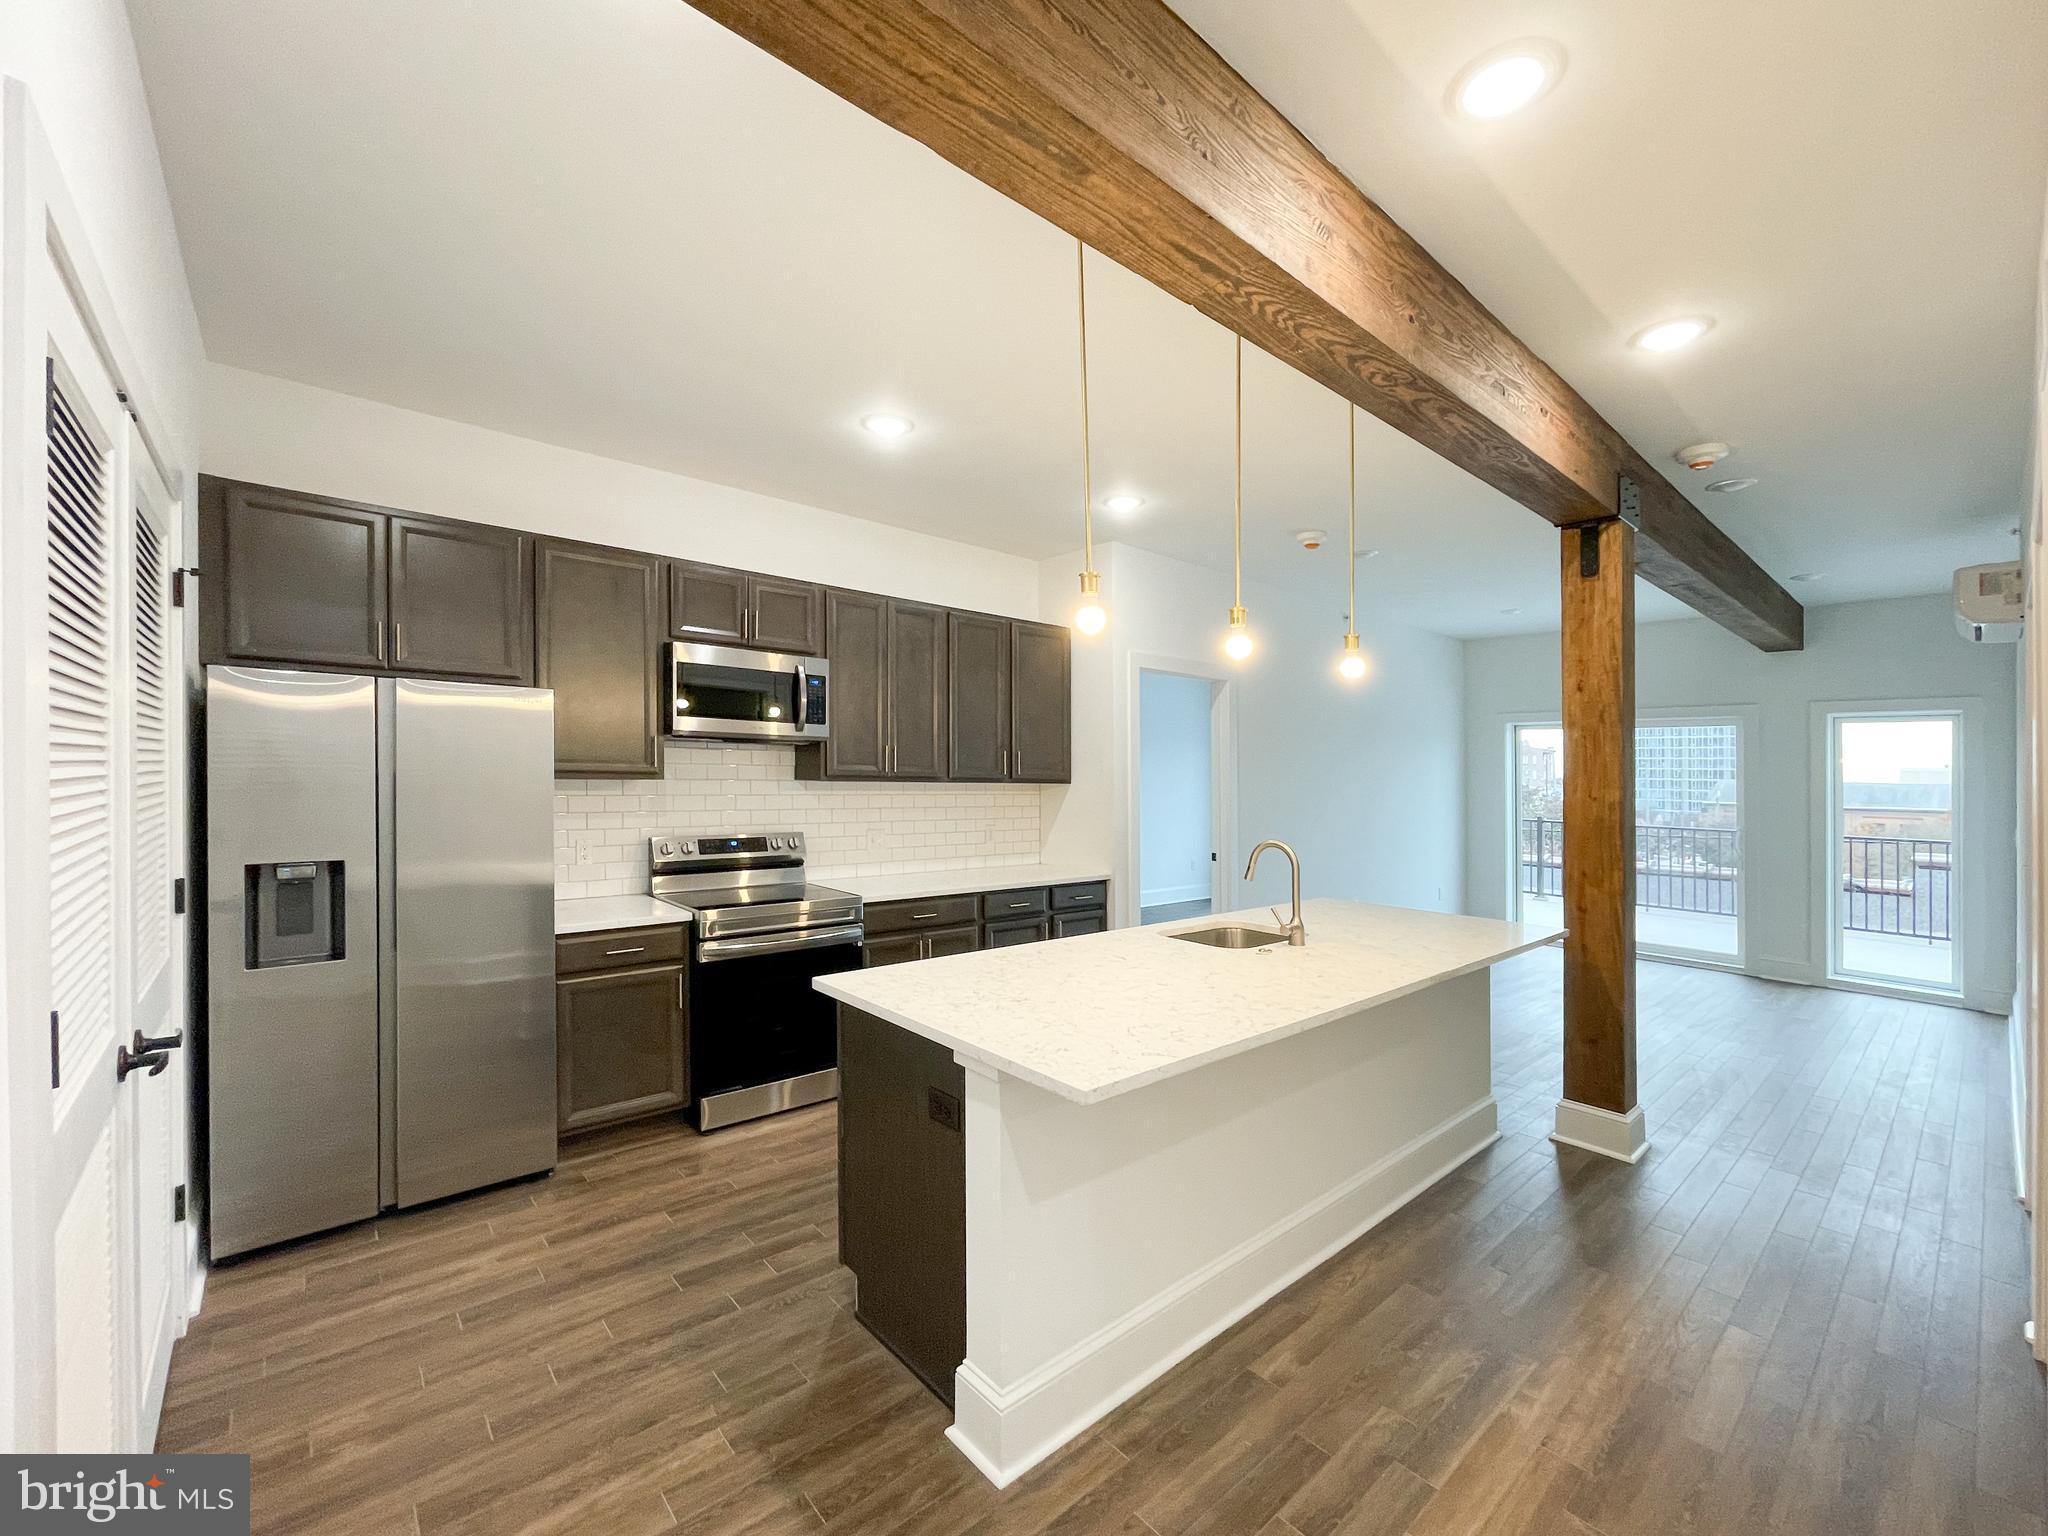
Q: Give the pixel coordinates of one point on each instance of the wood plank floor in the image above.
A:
(1801, 1313)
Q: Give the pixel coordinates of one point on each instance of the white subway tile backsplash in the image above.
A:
(602, 825)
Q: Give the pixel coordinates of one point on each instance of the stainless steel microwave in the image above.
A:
(719, 693)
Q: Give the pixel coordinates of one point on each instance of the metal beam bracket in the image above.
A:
(1628, 503)
(1589, 550)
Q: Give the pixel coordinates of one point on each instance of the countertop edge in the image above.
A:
(1136, 1080)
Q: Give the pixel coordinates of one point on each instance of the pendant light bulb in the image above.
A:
(1237, 640)
(1091, 618)
(1351, 664)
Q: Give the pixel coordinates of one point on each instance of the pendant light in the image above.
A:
(1237, 640)
(1090, 617)
(1351, 665)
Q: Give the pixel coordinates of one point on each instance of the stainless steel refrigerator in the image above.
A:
(380, 937)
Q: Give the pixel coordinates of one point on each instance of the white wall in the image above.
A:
(292, 435)
(1901, 649)
(1364, 781)
(77, 60)
(1173, 788)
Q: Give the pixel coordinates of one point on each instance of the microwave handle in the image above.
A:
(803, 682)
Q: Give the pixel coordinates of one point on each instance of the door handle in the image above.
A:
(149, 1054)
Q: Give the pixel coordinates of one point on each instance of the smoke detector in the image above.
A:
(1311, 538)
(1702, 455)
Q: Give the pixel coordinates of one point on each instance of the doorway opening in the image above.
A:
(1896, 826)
(1178, 866)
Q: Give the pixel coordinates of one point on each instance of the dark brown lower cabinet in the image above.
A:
(1068, 925)
(903, 1193)
(1016, 930)
(621, 1045)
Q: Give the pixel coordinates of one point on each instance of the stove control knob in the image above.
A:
(775, 843)
(667, 850)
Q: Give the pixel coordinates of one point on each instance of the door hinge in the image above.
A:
(178, 897)
(178, 1203)
(56, 1077)
(178, 577)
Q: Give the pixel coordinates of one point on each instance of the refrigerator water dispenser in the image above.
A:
(295, 913)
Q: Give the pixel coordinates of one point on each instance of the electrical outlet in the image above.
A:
(943, 1108)
(586, 849)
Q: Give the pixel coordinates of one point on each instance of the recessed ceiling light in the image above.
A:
(1507, 79)
(1805, 576)
(1125, 503)
(1670, 335)
(888, 427)
(1511, 612)
(1368, 554)
(1739, 483)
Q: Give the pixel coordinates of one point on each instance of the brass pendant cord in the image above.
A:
(1087, 471)
(1237, 514)
(1351, 541)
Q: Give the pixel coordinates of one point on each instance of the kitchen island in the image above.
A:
(1064, 1167)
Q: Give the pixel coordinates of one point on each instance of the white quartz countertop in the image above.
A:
(957, 882)
(1101, 1014)
(594, 914)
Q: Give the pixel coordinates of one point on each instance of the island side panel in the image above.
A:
(1107, 1242)
(902, 1194)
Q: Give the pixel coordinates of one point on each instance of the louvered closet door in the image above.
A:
(82, 423)
(150, 1105)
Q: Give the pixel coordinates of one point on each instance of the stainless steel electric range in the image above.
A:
(761, 1039)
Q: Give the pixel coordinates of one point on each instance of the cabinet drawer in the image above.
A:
(1092, 893)
(1001, 906)
(621, 947)
(908, 916)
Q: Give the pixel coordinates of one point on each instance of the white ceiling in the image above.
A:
(614, 226)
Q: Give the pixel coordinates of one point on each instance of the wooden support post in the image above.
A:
(1599, 1109)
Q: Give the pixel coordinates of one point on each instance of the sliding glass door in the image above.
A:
(1688, 834)
(1894, 814)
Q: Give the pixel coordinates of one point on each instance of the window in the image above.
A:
(1688, 834)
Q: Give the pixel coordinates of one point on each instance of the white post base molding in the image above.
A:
(1601, 1130)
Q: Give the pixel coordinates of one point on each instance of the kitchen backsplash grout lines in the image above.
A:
(602, 825)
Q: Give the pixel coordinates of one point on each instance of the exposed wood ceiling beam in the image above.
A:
(1115, 121)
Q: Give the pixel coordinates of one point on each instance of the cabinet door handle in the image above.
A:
(383, 625)
(397, 640)
(635, 950)
(682, 992)
(1006, 762)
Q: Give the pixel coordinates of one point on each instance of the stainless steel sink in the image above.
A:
(1232, 937)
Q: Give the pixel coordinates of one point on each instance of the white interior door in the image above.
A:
(89, 829)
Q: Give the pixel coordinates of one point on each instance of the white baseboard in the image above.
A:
(1602, 1130)
(1173, 895)
(1007, 1431)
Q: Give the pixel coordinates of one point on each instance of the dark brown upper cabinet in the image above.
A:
(461, 600)
(717, 606)
(917, 691)
(888, 691)
(977, 698)
(296, 580)
(707, 603)
(598, 621)
(1041, 704)
(857, 644)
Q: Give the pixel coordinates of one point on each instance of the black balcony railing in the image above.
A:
(1678, 869)
(1889, 884)
(1896, 885)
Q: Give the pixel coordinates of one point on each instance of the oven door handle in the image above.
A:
(777, 943)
